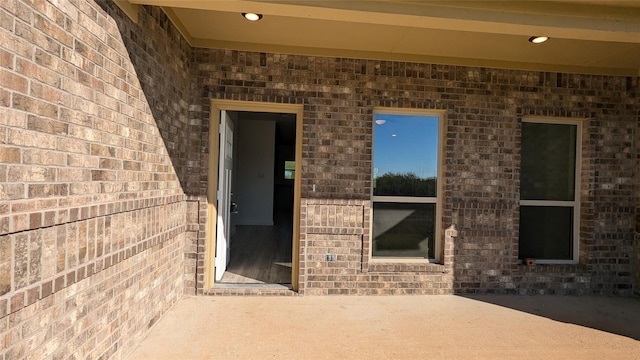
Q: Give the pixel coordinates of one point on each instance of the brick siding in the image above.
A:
(163, 73)
(636, 283)
(92, 208)
(104, 160)
(484, 108)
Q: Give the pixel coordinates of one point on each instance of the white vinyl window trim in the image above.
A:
(575, 203)
(437, 200)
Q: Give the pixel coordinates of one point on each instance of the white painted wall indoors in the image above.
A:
(255, 176)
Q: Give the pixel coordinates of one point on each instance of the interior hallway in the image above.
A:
(397, 327)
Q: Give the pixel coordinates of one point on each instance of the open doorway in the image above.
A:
(262, 194)
(254, 205)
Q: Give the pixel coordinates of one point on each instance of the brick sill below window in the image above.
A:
(424, 267)
(548, 268)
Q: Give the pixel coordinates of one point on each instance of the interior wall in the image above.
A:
(256, 154)
(233, 219)
(92, 211)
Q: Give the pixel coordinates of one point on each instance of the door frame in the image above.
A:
(218, 105)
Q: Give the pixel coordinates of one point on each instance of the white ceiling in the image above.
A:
(587, 36)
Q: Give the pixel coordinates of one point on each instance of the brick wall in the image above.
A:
(102, 134)
(636, 283)
(92, 211)
(341, 227)
(161, 59)
(636, 244)
(484, 109)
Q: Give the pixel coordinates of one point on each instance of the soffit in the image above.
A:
(588, 36)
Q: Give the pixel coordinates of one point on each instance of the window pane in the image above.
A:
(289, 170)
(289, 174)
(405, 155)
(403, 230)
(548, 161)
(546, 232)
(290, 165)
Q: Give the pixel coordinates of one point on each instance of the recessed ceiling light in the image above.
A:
(538, 39)
(252, 16)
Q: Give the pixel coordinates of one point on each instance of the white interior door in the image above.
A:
(223, 233)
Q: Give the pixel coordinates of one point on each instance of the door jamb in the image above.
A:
(218, 105)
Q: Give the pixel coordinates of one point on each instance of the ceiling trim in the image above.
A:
(131, 10)
(526, 18)
(380, 55)
(175, 20)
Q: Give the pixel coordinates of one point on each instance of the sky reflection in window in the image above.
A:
(405, 151)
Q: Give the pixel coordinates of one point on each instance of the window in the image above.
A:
(549, 188)
(406, 198)
(289, 170)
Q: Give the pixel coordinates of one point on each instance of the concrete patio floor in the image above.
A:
(396, 327)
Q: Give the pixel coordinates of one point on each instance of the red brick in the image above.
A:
(13, 81)
(31, 174)
(44, 157)
(32, 295)
(5, 98)
(71, 175)
(107, 163)
(5, 265)
(18, 46)
(17, 302)
(12, 191)
(36, 72)
(50, 94)
(47, 190)
(27, 138)
(70, 145)
(9, 154)
(54, 30)
(19, 222)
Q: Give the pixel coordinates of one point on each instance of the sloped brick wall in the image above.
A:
(92, 211)
(484, 108)
(161, 59)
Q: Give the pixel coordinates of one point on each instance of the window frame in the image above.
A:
(437, 200)
(575, 203)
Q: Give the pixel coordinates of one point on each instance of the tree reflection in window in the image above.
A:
(405, 168)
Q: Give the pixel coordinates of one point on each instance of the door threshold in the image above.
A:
(252, 286)
(251, 289)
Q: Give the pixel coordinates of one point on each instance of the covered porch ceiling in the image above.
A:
(587, 36)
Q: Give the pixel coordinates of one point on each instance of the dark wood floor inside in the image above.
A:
(261, 254)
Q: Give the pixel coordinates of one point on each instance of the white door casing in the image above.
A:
(223, 231)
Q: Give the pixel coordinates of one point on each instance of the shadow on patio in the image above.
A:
(615, 315)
